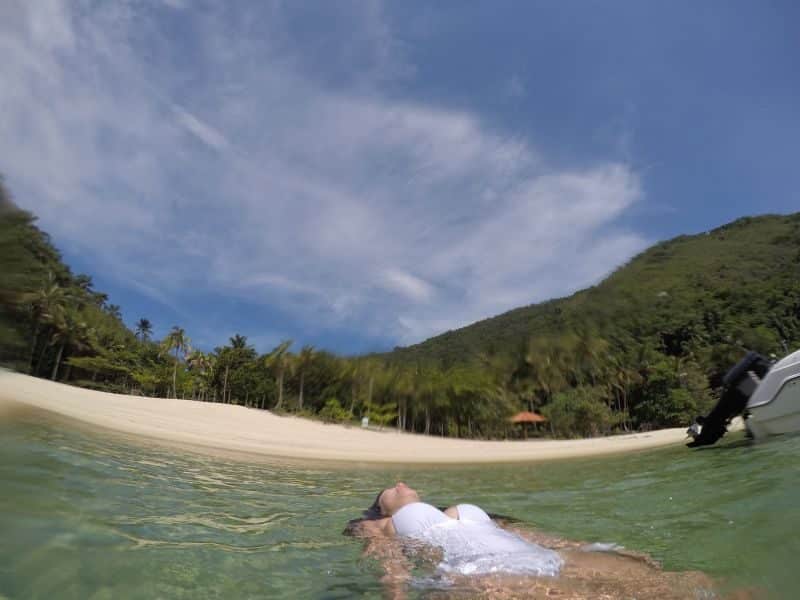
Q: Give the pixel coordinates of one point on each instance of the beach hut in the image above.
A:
(526, 417)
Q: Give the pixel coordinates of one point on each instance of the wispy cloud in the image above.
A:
(328, 200)
(408, 285)
(202, 131)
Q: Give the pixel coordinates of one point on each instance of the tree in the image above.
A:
(201, 366)
(304, 360)
(278, 362)
(177, 342)
(48, 308)
(238, 342)
(548, 366)
(144, 329)
(579, 411)
(333, 412)
(69, 331)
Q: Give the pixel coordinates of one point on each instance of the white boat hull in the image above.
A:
(774, 407)
(763, 426)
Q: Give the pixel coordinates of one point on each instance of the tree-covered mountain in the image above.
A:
(645, 348)
(737, 285)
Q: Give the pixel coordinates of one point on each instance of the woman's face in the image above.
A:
(394, 498)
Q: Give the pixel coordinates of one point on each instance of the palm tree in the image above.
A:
(622, 379)
(350, 370)
(69, 333)
(197, 364)
(589, 350)
(548, 365)
(144, 329)
(48, 305)
(304, 360)
(178, 342)
(238, 342)
(279, 361)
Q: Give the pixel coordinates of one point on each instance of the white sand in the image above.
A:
(237, 429)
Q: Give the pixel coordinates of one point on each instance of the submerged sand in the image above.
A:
(236, 429)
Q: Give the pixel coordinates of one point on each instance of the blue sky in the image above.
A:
(358, 175)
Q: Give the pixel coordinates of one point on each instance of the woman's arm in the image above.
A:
(382, 545)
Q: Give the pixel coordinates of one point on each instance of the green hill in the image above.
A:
(738, 285)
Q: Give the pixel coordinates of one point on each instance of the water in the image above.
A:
(88, 515)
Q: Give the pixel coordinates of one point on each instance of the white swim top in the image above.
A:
(473, 544)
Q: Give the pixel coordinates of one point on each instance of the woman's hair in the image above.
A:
(373, 513)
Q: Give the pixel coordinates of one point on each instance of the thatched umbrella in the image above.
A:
(527, 417)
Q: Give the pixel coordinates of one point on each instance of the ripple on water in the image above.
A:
(90, 514)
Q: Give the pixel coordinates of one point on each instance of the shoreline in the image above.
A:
(257, 435)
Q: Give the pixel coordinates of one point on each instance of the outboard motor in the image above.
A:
(738, 385)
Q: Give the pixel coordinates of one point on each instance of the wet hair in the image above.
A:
(373, 513)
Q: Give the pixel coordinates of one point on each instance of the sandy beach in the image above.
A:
(253, 432)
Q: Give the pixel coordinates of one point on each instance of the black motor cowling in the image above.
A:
(738, 385)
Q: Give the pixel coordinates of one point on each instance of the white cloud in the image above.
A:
(203, 131)
(334, 203)
(407, 285)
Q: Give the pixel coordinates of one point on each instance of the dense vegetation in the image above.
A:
(645, 348)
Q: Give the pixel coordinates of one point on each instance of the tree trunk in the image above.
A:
(300, 397)
(58, 362)
(41, 358)
(352, 399)
(175, 375)
(33, 347)
(624, 411)
(225, 385)
(280, 391)
(400, 415)
(427, 420)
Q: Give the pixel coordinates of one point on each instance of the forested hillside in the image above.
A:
(645, 348)
(737, 285)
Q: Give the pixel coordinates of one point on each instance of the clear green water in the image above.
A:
(89, 516)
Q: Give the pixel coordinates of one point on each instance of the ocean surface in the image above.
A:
(91, 515)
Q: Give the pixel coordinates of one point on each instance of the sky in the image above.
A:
(360, 175)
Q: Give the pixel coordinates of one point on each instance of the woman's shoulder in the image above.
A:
(376, 527)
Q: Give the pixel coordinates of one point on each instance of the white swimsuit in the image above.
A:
(473, 544)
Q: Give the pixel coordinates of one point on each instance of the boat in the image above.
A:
(766, 394)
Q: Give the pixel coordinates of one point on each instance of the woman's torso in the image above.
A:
(473, 544)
